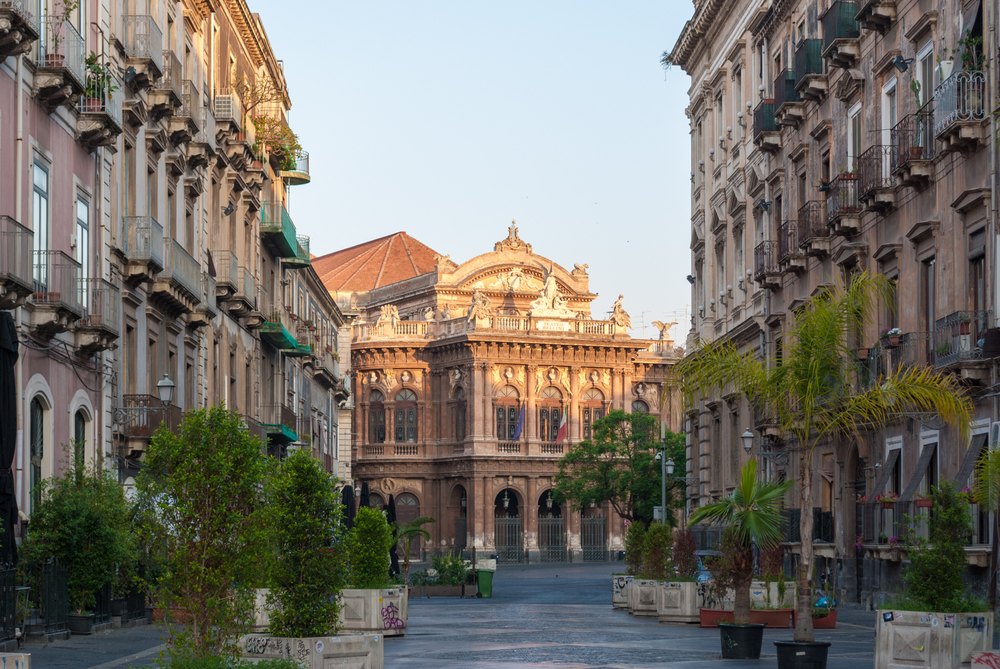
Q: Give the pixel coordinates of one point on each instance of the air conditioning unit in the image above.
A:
(994, 436)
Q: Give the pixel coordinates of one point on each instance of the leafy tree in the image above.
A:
(934, 575)
(202, 493)
(684, 556)
(656, 561)
(308, 570)
(82, 520)
(752, 516)
(635, 546)
(618, 466)
(818, 394)
(368, 547)
(406, 535)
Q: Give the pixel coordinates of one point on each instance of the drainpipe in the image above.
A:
(18, 211)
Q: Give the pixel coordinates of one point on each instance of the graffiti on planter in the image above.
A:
(620, 582)
(263, 645)
(977, 622)
(390, 617)
(706, 600)
(988, 659)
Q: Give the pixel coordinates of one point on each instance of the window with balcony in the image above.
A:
(376, 418)
(506, 408)
(592, 410)
(977, 270)
(928, 315)
(549, 414)
(406, 417)
(925, 72)
(82, 253)
(855, 136)
(40, 218)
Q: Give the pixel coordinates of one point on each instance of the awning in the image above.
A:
(883, 475)
(970, 460)
(919, 473)
(968, 24)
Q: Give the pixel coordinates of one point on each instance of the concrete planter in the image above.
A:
(642, 597)
(773, 618)
(677, 602)
(931, 640)
(370, 611)
(758, 592)
(358, 651)
(619, 591)
(15, 660)
(443, 590)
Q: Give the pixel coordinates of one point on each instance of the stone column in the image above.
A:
(627, 396)
(530, 517)
(574, 550)
(489, 527)
(475, 531)
(704, 436)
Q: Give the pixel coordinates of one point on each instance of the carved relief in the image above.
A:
(520, 376)
(606, 378)
(564, 379)
(390, 378)
(539, 380)
(513, 242)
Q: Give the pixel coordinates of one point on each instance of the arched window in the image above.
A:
(592, 411)
(459, 416)
(375, 501)
(406, 416)
(549, 414)
(507, 412)
(639, 406)
(37, 418)
(79, 435)
(408, 510)
(376, 418)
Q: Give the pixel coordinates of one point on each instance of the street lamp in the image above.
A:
(670, 467)
(165, 389)
(747, 438)
(506, 500)
(662, 457)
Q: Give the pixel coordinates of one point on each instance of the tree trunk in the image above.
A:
(804, 625)
(741, 610)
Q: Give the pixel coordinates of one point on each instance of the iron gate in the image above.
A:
(461, 534)
(508, 539)
(594, 533)
(552, 539)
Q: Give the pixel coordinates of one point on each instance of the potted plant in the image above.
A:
(923, 502)
(862, 354)
(655, 568)
(99, 84)
(887, 500)
(823, 185)
(945, 65)
(370, 604)
(406, 535)
(751, 515)
(62, 9)
(890, 337)
(677, 595)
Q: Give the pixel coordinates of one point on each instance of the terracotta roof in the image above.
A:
(374, 264)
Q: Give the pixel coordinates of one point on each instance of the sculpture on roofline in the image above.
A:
(479, 307)
(389, 314)
(619, 316)
(550, 302)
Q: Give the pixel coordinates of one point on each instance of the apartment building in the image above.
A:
(148, 248)
(826, 138)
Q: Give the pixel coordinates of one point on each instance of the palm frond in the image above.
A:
(987, 485)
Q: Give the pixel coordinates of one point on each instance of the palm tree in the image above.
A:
(817, 394)
(753, 515)
(987, 496)
(406, 535)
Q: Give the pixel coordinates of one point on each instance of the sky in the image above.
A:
(451, 119)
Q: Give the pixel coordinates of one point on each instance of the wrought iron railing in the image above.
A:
(784, 89)
(142, 415)
(16, 244)
(912, 137)
(959, 336)
(102, 604)
(29, 10)
(808, 59)
(58, 281)
(8, 604)
(208, 302)
(279, 414)
(48, 596)
(101, 300)
(842, 198)
(763, 118)
(960, 97)
(226, 268)
(172, 72)
(812, 222)
(875, 169)
(788, 239)
(180, 267)
(190, 100)
(143, 239)
(104, 95)
(142, 38)
(246, 287)
(764, 260)
(839, 22)
(62, 46)
(914, 349)
(206, 126)
(301, 162)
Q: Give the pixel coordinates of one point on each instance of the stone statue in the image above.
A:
(479, 307)
(513, 242)
(580, 268)
(447, 313)
(663, 328)
(389, 314)
(619, 316)
(429, 314)
(551, 302)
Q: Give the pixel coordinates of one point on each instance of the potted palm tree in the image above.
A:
(406, 535)
(753, 517)
(816, 397)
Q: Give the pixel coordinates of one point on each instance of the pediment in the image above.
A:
(850, 85)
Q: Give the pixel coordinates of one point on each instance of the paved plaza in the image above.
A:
(540, 615)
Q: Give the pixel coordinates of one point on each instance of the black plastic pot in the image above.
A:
(149, 615)
(80, 623)
(741, 642)
(118, 606)
(802, 655)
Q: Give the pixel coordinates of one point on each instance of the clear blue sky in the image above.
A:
(450, 119)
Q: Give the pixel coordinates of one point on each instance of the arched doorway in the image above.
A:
(507, 527)
(408, 510)
(457, 505)
(593, 534)
(551, 529)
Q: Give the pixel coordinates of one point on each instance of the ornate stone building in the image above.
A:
(448, 360)
(826, 138)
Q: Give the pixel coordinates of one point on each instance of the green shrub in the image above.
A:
(308, 569)
(656, 552)
(228, 663)
(368, 549)
(684, 557)
(453, 570)
(635, 544)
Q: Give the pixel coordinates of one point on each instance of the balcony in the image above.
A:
(228, 111)
(876, 184)
(301, 258)
(790, 258)
(810, 79)
(767, 272)
(143, 248)
(143, 44)
(274, 332)
(257, 431)
(56, 300)
(183, 124)
(238, 148)
(960, 111)
(299, 172)
(958, 343)
(913, 148)
(226, 274)
(278, 231)
(19, 25)
(140, 416)
(179, 284)
(60, 77)
(244, 300)
(876, 15)
(98, 329)
(843, 212)
(326, 368)
(202, 148)
(914, 350)
(207, 308)
(766, 134)
(16, 271)
(841, 34)
(788, 106)
(165, 96)
(814, 236)
(100, 120)
(280, 424)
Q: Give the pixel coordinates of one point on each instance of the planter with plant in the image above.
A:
(57, 20)
(635, 537)
(936, 607)
(371, 605)
(100, 86)
(449, 576)
(887, 500)
(655, 568)
(751, 516)
(677, 595)
(890, 337)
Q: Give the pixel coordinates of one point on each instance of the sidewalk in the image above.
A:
(136, 647)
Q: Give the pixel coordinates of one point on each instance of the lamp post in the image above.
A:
(662, 457)
(165, 389)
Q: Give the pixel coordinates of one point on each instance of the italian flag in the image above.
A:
(561, 435)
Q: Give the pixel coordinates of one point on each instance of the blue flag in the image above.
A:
(520, 424)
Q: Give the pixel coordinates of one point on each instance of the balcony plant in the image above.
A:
(815, 398)
(752, 517)
(61, 12)
(945, 65)
(887, 500)
(100, 83)
(890, 336)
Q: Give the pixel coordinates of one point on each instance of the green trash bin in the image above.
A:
(485, 583)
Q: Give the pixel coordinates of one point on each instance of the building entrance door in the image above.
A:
(594, 531)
